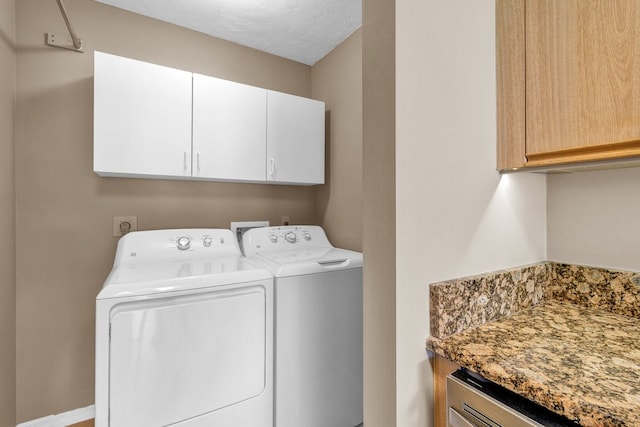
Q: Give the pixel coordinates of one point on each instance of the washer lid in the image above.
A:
(308, 261)
(296, 250)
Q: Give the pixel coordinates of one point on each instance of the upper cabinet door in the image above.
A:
(511, 85)
(295, 139)
(568, 81)
(229, 130)
(583, 73)
(142, 118)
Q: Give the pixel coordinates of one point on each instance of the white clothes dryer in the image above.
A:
(318, 325)
(184, 332)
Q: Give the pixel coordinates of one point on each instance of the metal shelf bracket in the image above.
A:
(75, 43)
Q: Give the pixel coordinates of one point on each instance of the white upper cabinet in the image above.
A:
(142, 119)
(152, 121)
(295, 139)
(229, 130)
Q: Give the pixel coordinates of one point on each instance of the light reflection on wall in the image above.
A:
(507, 219)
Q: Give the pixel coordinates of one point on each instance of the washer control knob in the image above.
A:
(290, 237)
(207, 241)
(184, 243)
(306, 236)
(273, 238)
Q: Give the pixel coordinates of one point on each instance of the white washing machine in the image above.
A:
(318, 325)
(184, 334)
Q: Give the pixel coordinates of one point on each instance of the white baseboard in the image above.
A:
(64, 419)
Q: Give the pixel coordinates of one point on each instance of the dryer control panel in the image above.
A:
(186, 244)
(270, 239)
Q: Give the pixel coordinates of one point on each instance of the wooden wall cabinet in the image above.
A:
(568, 81)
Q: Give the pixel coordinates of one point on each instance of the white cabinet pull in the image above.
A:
(198, 161)
(272, 172)
(185, 160)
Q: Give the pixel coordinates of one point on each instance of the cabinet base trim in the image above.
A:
(589, 153)
(65, 419)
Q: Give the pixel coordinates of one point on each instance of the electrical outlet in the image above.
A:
(284, 220)
(124, 224)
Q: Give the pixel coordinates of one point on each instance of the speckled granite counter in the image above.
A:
(581, 361)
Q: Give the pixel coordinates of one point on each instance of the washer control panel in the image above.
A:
(284, 238)
(291, 235)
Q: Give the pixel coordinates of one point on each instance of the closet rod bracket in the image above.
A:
(62, 42)
(75, 43)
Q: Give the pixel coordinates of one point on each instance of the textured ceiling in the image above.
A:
(300, 30)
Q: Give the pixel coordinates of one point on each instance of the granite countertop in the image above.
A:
(581, 362)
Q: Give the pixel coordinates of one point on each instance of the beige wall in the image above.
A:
(7, 215)
(337, 80)
(64, 210)
(379, 211)
(456, 215)
(593, 218)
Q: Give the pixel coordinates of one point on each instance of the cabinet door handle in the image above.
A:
(273, 167)
(198, 161)
(185, 160)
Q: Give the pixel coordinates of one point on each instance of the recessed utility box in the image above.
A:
(239, 228)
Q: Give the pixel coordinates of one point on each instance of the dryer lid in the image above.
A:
(157, 278)
(151, 262)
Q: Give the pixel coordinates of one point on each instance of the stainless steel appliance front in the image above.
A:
(473, 401)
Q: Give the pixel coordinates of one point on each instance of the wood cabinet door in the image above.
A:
(295, 139)
(582, 79)
(510, 83)
(229, 130)
(142, 119)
